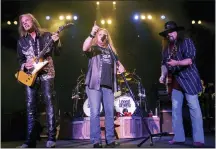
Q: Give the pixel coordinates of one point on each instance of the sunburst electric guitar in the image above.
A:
(28, 78)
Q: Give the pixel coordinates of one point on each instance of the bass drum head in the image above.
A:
(86, 107)
(124, 102)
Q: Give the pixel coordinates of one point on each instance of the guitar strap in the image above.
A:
(173, 82)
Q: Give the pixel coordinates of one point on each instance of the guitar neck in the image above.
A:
(41, 54)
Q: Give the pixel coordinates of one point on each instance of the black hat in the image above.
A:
(170, 26)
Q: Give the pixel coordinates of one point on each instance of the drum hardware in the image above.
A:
(128, 79)
(78, 95)
(117, 94)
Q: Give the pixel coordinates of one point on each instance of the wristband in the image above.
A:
(91, 36)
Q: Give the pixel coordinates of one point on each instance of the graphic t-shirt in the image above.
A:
(107, 68)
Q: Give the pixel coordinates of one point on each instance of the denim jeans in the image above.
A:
(195, 114)
(95, 97)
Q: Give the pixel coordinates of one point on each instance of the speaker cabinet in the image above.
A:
(166, 121)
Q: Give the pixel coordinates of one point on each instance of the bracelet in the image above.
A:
(91, 36)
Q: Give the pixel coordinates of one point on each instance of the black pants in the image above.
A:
(47, 88)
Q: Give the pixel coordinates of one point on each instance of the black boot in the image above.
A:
(112, 145)
(97, 145)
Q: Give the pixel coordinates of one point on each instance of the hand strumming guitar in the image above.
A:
(29, 64)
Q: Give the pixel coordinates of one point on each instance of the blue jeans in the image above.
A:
(95, 97)
(195, 114)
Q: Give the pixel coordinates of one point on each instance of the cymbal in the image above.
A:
(128, 79)
(125, 73)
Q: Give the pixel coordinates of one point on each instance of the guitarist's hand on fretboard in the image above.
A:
(55, 37)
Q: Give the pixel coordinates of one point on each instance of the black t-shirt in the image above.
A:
(107, 68)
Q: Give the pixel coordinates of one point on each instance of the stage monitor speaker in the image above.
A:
(166, 121)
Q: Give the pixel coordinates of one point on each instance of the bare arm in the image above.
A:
(120, 67)
(184, 62)
(88, 41)
(163, 70)
(87, 44)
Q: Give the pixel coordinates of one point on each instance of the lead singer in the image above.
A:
(101, 83)
(178, 63)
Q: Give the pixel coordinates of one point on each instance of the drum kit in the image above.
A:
(123, 102)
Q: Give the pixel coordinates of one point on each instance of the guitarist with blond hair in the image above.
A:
(178, 64)
(32, 41)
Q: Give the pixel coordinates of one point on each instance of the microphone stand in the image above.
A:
(115, 60)
(142, 116)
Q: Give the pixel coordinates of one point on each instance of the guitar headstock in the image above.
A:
(63, 27)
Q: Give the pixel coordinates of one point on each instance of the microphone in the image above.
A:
(103, 38)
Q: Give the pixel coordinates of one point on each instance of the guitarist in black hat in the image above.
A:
(32, 41)
(179, 71)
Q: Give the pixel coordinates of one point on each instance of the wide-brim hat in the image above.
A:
(170, 26)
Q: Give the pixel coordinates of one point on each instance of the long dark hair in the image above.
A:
(36, 25)
(180, 38)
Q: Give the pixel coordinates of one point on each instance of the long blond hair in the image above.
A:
(36, 25)
(94, 41)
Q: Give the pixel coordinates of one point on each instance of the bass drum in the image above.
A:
(124, 103)
(86, 107)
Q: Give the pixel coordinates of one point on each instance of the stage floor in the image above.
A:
(124, 143)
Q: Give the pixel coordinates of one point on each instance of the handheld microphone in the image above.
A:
(103, 38)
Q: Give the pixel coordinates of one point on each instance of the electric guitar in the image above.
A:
(169, 74)
(28, 78)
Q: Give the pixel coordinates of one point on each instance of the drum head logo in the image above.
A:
(124, 102)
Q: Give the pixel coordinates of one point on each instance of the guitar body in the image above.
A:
(26, 79)
(29, 78)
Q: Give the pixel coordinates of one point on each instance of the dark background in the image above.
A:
(142, 53)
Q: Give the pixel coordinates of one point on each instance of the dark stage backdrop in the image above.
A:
(142, 53)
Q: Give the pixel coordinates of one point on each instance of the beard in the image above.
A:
(171, 39)
(29, 29)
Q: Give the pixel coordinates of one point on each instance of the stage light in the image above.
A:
(109, 21)
(61, 17)
(98, 3)
(15, 23)
(143, 17)
(114, 2)
(68, 17)
(136, 17)
(149, 17)
(75, 17)
(163, 17)
(199, 22)
(47, 17)
(9, 22)
(102, 22)
(193, 22)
